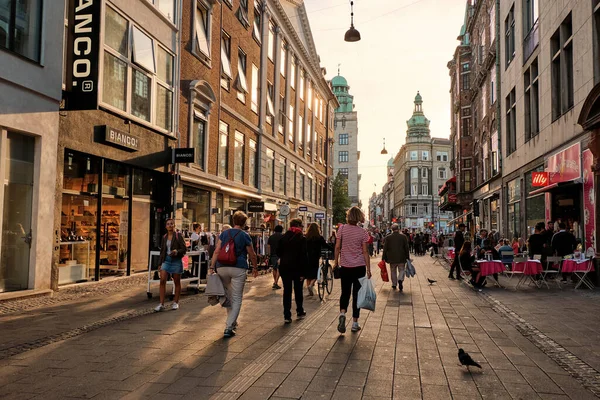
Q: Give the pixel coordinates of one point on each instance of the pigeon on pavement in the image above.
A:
(465, 359)
(431, 281)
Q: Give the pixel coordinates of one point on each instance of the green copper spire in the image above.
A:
(418, 124)
(341, 89)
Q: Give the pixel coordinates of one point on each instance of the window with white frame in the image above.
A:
(282, 175)
(308, 137)
(442, 156)
(271, 43)
(257, 22)
(254, 83)
(414, 209)
(344, 172)
(223, 149)
(302, 183)
(414, 189)
(492, 16)
(202, 25)
(283, 55)
(241, 82)
(344, 139)
(21, 27)
(424, 189)
(128, 48)
(321, 110)
(310, 95)
(442, 173)
(300, 131)
(242, 13)
(343, 156)
(270, 170)
(301, 84)
(199, 138)
(425, 155)
(291, 124)
(414, 156)
(292, 72)
(252, 163)
(294, 177)
(424, 173)
(426, 208)
(414, 173)
(226, 74)
(238, 157)
(270, 106)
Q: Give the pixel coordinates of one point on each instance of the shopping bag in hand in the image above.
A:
(366, 294)
(384, 274)
(214, 285)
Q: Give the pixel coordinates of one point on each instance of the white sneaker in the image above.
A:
(174, 306)
(355, 327)
(159, 308)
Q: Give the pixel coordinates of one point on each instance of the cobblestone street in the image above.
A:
(531, 344)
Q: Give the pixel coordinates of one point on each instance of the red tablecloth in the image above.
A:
(451, 254)
(531, 267)
(575, 265)
(490, 267)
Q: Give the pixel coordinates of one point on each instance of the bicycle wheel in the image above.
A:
(329, 279)
(321, 286)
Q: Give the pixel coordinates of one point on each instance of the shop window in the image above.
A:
(252, 164)
(223, 154)
(226, 75)
(21, 27)
(561, 46)
(219, 214)
(202, 27)
(151, 69)
(236, 204)
(238, 157)
(196, 208)
(115, 179)
(80, 173)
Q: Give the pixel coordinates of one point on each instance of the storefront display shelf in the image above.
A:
(73, 271)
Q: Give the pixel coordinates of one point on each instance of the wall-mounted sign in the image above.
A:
(83, 53)
(121, 139)
(184, 155)
(319, 215)
(565, 166)
(539, 179)
(303, 208)
(256, 206)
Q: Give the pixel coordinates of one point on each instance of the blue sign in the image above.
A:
(303, 208)
(319, 215)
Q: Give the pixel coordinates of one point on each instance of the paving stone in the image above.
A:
(291, 389)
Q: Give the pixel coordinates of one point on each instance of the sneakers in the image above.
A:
(159, 308)
(275, 286)
(393, 287)
(234, 326)
(342, 324)
(174, 306)
(228, 333)
(301, 315)
(287, 320)
(355, 327)
(450, 277)
(400, 286)
(311, 291)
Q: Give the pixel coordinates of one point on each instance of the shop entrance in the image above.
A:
(18, 160)
(566, 206)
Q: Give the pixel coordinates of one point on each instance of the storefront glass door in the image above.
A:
(16, 219)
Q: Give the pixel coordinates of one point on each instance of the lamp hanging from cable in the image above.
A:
(384, 151)
(352, 35)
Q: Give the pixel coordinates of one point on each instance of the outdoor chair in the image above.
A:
(552, 268)
(512, 271)
(464, 275)
(581, 273)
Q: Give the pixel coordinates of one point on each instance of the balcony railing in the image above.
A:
(531, 42)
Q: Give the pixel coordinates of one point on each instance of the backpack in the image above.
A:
(227, 255)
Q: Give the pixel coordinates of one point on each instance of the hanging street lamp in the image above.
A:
(352, 35)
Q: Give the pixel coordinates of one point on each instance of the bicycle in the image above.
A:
(325, 279)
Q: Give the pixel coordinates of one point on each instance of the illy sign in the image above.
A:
(539, 179)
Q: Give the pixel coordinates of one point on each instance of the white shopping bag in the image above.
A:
(366, 294)
(214, 285)
(319, 274)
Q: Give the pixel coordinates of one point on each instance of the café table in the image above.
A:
(490, 267)
(530, 269)
(580, 268)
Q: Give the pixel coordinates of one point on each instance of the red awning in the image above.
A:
(543, 190)
(445, 186)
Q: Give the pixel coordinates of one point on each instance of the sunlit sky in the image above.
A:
(405, 47)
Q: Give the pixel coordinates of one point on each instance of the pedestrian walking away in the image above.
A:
(293, 265)
(233, 273)
(272, 244)
(396, 252)
(352, 256)
(172, 250)
(314, 244)
(459, 240)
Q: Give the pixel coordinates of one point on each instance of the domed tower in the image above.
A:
(390, 169)
(418, 124)
(345, 147)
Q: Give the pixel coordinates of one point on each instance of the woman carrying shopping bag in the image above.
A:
(231, 262)
(172, 250)
(352, 256)
(293, 263)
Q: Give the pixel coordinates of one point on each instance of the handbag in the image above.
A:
(214, 285)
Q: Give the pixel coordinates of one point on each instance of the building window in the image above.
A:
(226, 74)
(467, 181)
(270, 104)
(302, 181)
(425, 155)
(344, 139)
(509, 42)
(223, 148)
(199, 138)
(561, 45)
(424, 189)
(283, 56)
(344, 172)
(293, 72)
(596, 41)
(294, 176)
(270, 170)
(252, 164)
(468, 163)
(414, 189)
(424, 173)
(301, 84)
(426, 209)
(511, 122)
(254, 83)
(291, 124)
(414, 173)
(309, 99)
(300, 131)
(442, 173)
(532, 101)
(241, 82)
(151, 69)
(413, 156)
(343, 156)
(530, 15)
(238, 157)
(21, 27)
(492, 16)
(271, 42)
(202, 26)
(256, 34)
(414, 209)
(308, 137)
(442, 156)
(242, 13)
(493, 85)
(282, 115)
(310, 187)
(495, 154)
(486, 161)
(282, 175)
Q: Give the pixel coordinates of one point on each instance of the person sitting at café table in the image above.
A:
(467, 263)
(506, 259)
(487, 247)
(563, 244)
(536, 242)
